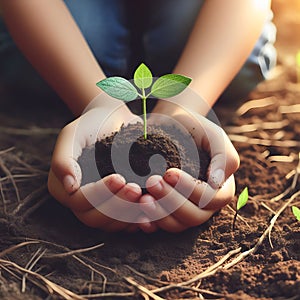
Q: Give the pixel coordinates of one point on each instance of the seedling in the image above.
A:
(144, 86)
(242, 201)
(296, 212)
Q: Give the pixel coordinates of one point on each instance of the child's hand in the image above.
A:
(65, 174)
(178, 201)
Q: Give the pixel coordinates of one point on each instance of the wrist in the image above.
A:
(102, 100)
(187, 101)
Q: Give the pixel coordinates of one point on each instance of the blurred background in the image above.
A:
(287, 20)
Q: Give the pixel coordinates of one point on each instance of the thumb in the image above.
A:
(224, 162)
(64, 164)
(68, 173)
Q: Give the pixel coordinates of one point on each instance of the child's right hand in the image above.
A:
(65, 174)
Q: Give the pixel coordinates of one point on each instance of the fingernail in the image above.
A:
(217, 178)
(154, 182)
(133, 190)
(116, 181)
(172, 178)
(69, 183)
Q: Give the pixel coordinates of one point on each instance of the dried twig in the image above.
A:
(258, 103)
(3, 199)
(142, 289)
(109, 295)
(263, 142)
(202, 291)
(8, 173)
(288, 109)
(272, 222)
(93, 270)
(33, 131)
(282, 158)
(80, 251)
(144, 276)
(15, 247)
(27, 201)
(267, 207)
(90, 286)
(32, 262)
(19, 176)
(292, 186)
(9, 271)
(208, 272)
(72, 252)
(51, 286)
(34, 207)
(26, 165)
(6, 150)
(290, 174)
(256, 126)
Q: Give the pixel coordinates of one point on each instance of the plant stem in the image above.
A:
(144, 113)
(145, 117)
(234, 220)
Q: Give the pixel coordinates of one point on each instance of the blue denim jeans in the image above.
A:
(123, 34)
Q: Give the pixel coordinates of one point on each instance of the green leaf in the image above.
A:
(119, 88)
(169, 85)
(296, 212)
(243, 198)
(143, 77)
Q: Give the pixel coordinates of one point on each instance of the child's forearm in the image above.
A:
(224, 34)
(50, 39)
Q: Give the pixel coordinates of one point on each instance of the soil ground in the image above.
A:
(260, 260)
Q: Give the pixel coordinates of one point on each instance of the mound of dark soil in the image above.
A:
(128, 153)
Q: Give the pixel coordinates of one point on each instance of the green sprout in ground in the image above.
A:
(242, 201)
(144, 86)
(296, 212)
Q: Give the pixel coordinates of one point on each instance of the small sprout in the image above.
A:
(296, 212)
(242, 201)
(243, 198)
(166, 86)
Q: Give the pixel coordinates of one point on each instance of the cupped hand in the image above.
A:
(95, 202)
(178, 201)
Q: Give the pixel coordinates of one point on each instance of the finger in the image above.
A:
(74, 137)
(224, 157)
(100, 191)
(63, 164)
(173, 202)
(109, 214)
(121, 209)
(199, 192)
(87, 196)
(156, 212)
(78, 203)
(211, 138)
